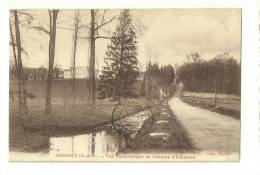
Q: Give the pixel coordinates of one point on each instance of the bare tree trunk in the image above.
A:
(20, 73)
(75, 39)
(146, 86)
(215, 94)
(120, 71)
(13, 46)
(53, 17)
(92, 61)
(94, 27)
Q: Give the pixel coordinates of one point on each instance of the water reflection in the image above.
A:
(93, 144)
(102, 141)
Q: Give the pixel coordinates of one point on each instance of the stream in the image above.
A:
(108, 139)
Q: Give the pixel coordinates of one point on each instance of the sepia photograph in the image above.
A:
(125, 84)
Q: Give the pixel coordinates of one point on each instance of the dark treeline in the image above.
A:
(157, 77)
(40, 73)
(220, 74)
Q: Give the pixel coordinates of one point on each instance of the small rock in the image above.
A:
(162, 122)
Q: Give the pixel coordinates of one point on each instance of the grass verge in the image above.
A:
(230, 107)
(179, 140)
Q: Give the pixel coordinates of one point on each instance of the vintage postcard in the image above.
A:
(124, 84)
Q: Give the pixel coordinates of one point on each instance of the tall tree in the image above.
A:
(53, 18)
(92, 76)
(20, 73)
(152, 71)
(18, 20)
(121, 70)
(13, 45)
(95, 25)
(74, 51)
(157, 77)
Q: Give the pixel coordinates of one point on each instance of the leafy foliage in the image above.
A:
(120, 70)
(222, 72)
(157, 77)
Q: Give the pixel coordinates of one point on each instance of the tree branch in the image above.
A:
(22, 49)
(12, 43)
(25, 14)
(66, 28)
(104, 23)
(104, 37)
(50, 18)
(42, 29)
(83, 37)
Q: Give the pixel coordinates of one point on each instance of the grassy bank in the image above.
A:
(31, 132)
(226, 106)
(61, 91)
(179, 140)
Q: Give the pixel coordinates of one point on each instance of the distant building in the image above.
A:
(80, 72)
(61, 74)
(67, 73)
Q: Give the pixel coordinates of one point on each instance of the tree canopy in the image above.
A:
(222, 72)
(120, 70)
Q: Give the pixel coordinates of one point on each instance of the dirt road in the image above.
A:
(208, 130)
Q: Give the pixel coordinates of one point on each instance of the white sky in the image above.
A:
(171, 33)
